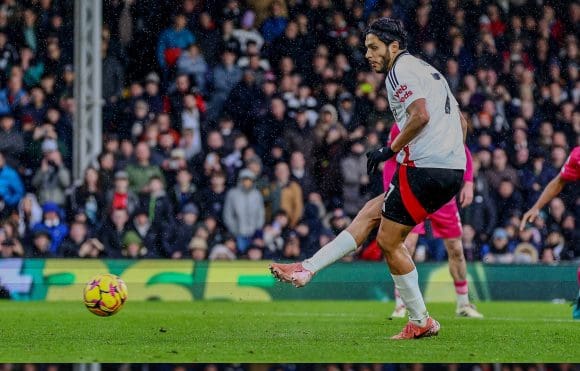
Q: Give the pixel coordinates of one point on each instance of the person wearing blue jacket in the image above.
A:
(53, 224)
(275, 24)
(11, 187)
(172, 38)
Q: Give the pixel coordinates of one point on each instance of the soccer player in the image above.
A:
(432, 162)
(447, 225)
(570, 173)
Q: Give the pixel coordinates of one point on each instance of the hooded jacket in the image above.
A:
(244, 208)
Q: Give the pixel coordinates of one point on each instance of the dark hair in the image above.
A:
(389, 30)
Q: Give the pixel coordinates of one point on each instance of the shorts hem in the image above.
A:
(396, 220)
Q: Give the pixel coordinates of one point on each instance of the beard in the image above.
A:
(384, 68)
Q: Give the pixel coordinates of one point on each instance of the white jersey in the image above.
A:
(440, 143)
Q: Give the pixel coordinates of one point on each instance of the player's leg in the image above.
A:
(458, 270)
(418, 192)
(410, 243)
(390, 238)
(446, 224)
(347, 241)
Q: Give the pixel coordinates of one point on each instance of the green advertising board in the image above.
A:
(185, 280)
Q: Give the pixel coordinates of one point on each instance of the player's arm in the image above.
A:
(466, 194)
(418, 117)
(552, 190)
(463, 125)
(417, 120)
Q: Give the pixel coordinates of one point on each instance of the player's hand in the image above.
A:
(466, 194)
(374, 158)
(529, 216)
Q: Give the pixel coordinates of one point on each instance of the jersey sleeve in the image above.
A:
(468, 175)
(406, 85)
(571, 169)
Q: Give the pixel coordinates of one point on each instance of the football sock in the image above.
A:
(343, 244)
(398, 300)
(408, 286)
(461, 289)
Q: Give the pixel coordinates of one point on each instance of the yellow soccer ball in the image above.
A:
(105, 294)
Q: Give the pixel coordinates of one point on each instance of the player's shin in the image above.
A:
(461, 289)
(343, 244)
(408, 286)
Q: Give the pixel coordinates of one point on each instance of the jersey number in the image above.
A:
(436, 76)
(391, 188)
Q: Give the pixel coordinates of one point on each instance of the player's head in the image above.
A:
(384, 38)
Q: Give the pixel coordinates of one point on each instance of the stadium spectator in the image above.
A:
(11, 141)
(52, 178)
(142, 170)
(247, 32)
(224, 77)
(499, 250)
(209, 38)
(284, 194)
(184, 229)
(198, 248)
(192, 63)
(11, 187)
(172, 40)
(41, 245)
(112, 231)
(133, 246)
(29, 214)
(508, 200)
(120, 196)
(183, 190)
(501, 170)
(221, 252)
(229, 42)
(54, 225)
(275, 24)
(191, 116)
(13, 97)
(299, 135)
(211, 199)
(243, 212)
(73, 244)
(301, 174)
(158, 204)
(88, 197)
(355, 179)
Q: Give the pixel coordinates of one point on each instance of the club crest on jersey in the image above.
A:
(401, 94)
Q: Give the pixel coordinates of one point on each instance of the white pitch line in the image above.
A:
(367, 315)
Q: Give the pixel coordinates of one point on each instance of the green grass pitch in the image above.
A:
(313, 331)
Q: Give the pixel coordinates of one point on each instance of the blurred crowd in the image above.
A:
(236, 129)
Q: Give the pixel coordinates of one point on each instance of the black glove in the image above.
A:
(374, 158)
